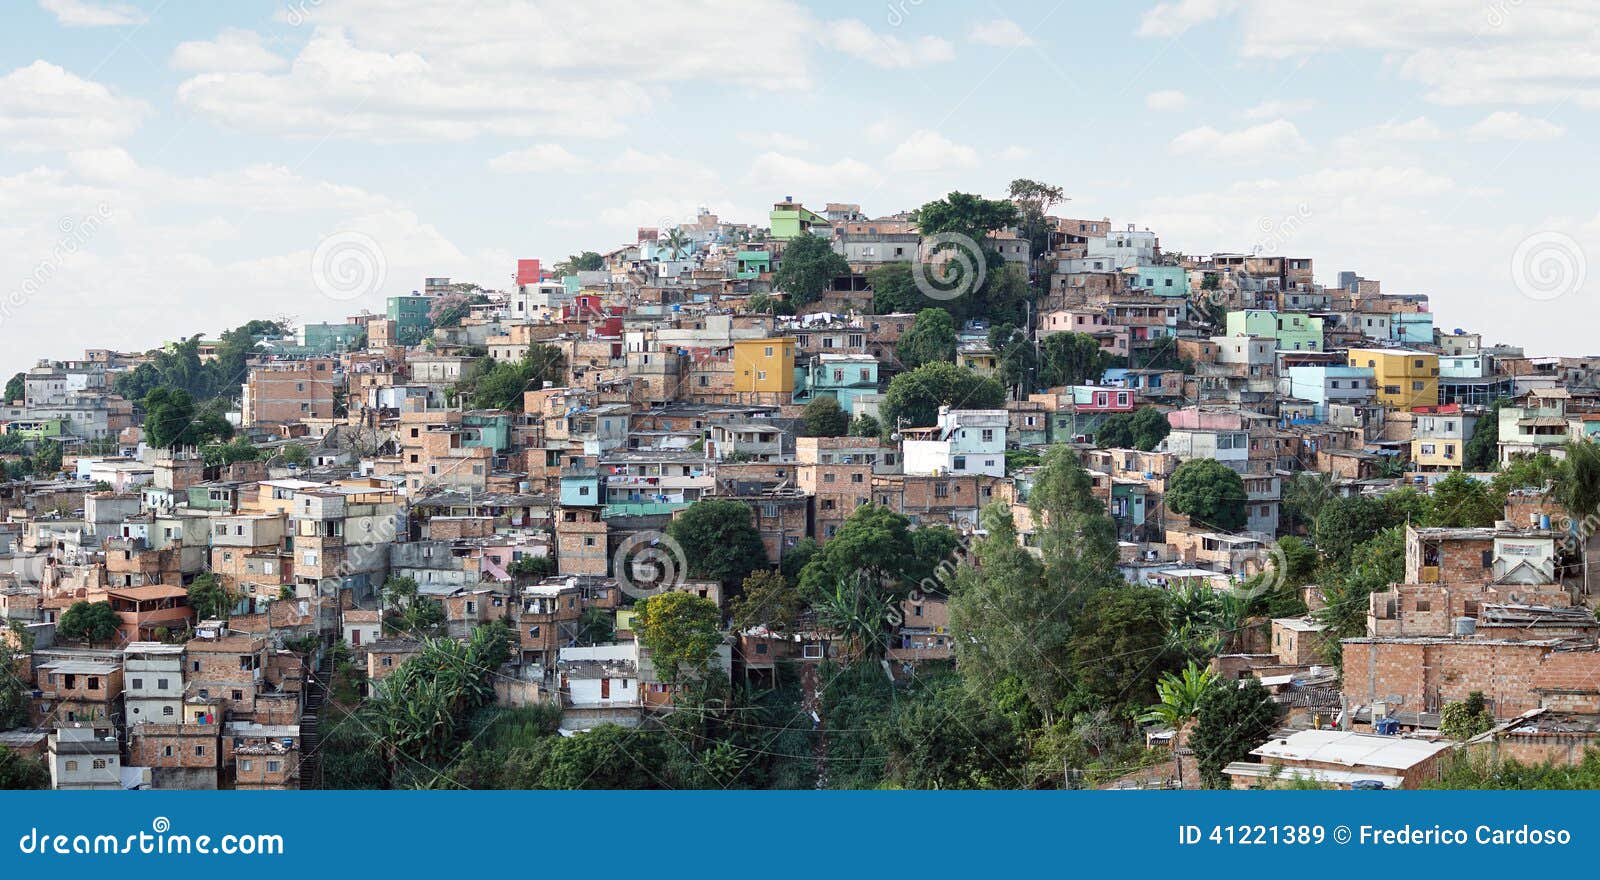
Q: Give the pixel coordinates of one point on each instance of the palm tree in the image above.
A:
(857, 608)
(675, 243)
(1181, 696)
(1577, 488)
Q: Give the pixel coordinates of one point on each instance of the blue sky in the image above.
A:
(172, 167)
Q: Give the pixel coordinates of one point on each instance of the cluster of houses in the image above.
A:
(674, 389)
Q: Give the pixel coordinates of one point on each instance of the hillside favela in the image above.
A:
(971, 495)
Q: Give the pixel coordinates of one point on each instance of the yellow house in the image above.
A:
(1405, 378)
(764, 366)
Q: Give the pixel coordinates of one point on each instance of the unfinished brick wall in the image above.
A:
(1428, 673)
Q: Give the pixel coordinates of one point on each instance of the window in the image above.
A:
(99, 763)
(167, 711)
(166, 751)
(272, 766)
(245, 766)
(72, 766)
(137, 684)
(200, 751)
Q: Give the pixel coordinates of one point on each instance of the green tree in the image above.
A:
(20, 772)
(1460, 501)
(15, 698)
(1464, 720)
(681, 630)
(1230, 723)
(500, 385)
(1115, 432)
(89, 621)
(932, 337)
(796, 558)
(720, 540)
(1482, 450)
(807, 269)
(865, 425)
(1303, 496)
(172, 419)
(1077, 537)
(859, 609)
(1209, 492)
(766, 599)
(235, 450)
(293, 453)
(1150, 427)
(16, 387)
(1034, 201)
(1005, 625)
(965, 214)
(894, 289)
(1071, 359)
(824, 418)
(607, 757)
(874, 542)
(1005, 294)
(46, 458)
(1120, 646)
(1342, 523)
(1372, 566)
(209, 598)
(1019, 364)
(1179, 698)
(588, 261)
(916, 396)
(409, 612)
(675, 244)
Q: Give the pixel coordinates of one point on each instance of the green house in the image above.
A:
(790, 219)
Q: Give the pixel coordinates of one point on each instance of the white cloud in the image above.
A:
(389, 71)
(234, 49)
(1172, 19)
(928, 150)
(854, 38)
(1166, 99)
(45, 107)
(792, 175)
(774, 140)
(1275, 109)
(1510, 125)
(1256, 142)
(1002, 32)
(1387, 141)
(537, 158)
(81, 13)
(1462, 51)
(1419, 129)
(1013, 153)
